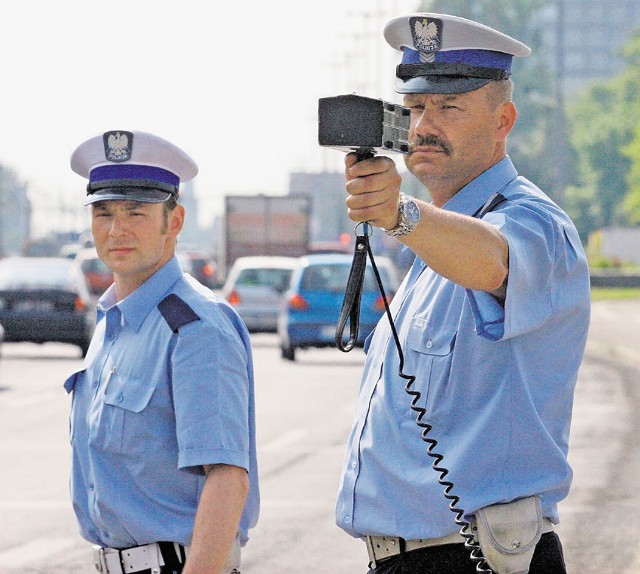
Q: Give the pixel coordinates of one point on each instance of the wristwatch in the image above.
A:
(408, 217)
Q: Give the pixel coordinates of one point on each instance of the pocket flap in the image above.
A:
(128, 394)
(512, 528)
(70, 383)
(428, 340)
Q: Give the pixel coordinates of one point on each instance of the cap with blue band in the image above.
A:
(135, 166)
(448, 54)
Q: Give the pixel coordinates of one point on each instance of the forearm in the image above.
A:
(217, 519)
(468, 251)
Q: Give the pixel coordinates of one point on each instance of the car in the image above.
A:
(45, 299)
(200, 266)
(99, 277)
(311, 307)
(254, 287)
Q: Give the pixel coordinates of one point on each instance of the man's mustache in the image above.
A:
(431, 141)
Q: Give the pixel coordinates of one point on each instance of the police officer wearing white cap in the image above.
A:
(164, 474)
(492, 321)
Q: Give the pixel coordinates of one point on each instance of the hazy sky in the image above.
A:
(236, 84)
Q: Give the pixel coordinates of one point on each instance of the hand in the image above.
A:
(373, 186)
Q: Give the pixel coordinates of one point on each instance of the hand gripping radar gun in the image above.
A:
(365, 126)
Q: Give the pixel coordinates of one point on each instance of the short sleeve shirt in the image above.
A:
(152, 405)
(496, 381)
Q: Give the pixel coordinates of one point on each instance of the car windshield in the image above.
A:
(334, 278)
(41, 275)
(278, 279)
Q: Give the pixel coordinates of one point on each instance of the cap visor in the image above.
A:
(128, 194)
(439, 85)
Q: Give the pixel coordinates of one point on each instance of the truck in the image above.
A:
(265, 225)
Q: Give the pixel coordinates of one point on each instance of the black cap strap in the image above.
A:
(131, 184)
(408, 71)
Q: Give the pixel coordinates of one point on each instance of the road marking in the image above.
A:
(35, 551)
(286, 440)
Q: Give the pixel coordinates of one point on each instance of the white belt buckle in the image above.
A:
(371, 552)
(98, 559)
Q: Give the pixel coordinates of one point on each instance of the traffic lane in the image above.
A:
(304, 411)
(595, 528)
(302, 430)
(37, 526)
(615, 331)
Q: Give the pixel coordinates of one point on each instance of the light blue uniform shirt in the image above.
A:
(497, 382)
(151, 407)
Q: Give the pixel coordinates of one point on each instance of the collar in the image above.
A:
(136, 306)
(475, 194)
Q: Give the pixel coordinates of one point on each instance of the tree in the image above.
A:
(632, 150)
(605, 133)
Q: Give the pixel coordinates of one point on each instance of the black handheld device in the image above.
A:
(366, 126)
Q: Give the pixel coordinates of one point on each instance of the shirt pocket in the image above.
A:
(428, 358)
(124, 416)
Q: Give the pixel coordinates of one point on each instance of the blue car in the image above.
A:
(311, 307)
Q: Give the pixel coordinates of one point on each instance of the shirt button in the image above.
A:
(95, 384)
(429, 344)
(347, 519)
(354, 464)
(120, 397)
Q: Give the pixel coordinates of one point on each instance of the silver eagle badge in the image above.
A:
(117, 146)
(426, 33)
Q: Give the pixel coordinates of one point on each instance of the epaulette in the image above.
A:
(176, 312)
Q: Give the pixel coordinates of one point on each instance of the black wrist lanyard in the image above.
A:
(353, 293)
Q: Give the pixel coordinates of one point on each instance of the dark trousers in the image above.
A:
(454, 559)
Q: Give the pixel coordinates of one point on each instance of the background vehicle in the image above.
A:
(45, 299)
(255, 286)
(99, 277)
(200, 266)
(311, 307)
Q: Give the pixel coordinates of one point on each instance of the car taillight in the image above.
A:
(208, 270)
(379, 304)
(298, 303)
(80, 304)
(234, 298)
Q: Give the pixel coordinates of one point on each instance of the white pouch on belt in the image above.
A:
(508, 534)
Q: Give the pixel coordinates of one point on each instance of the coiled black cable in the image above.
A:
(465, 531)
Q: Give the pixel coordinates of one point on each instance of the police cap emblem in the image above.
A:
(427, 33)
(117, 145)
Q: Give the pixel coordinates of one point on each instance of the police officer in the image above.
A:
(491, 319)
(164, 474)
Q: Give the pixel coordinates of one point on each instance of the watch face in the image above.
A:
(412, 211)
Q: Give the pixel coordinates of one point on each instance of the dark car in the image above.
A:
(200, 266)
(311, 307)
(45, 299)
(99, 277)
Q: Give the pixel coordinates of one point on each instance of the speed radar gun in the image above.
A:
(365, 126)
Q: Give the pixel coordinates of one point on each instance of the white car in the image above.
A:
(254, 287)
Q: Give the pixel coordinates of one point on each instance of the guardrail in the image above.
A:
(615, 280)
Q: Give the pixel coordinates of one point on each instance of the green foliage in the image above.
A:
(632, 200)
(608, 294)
(605, 132)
